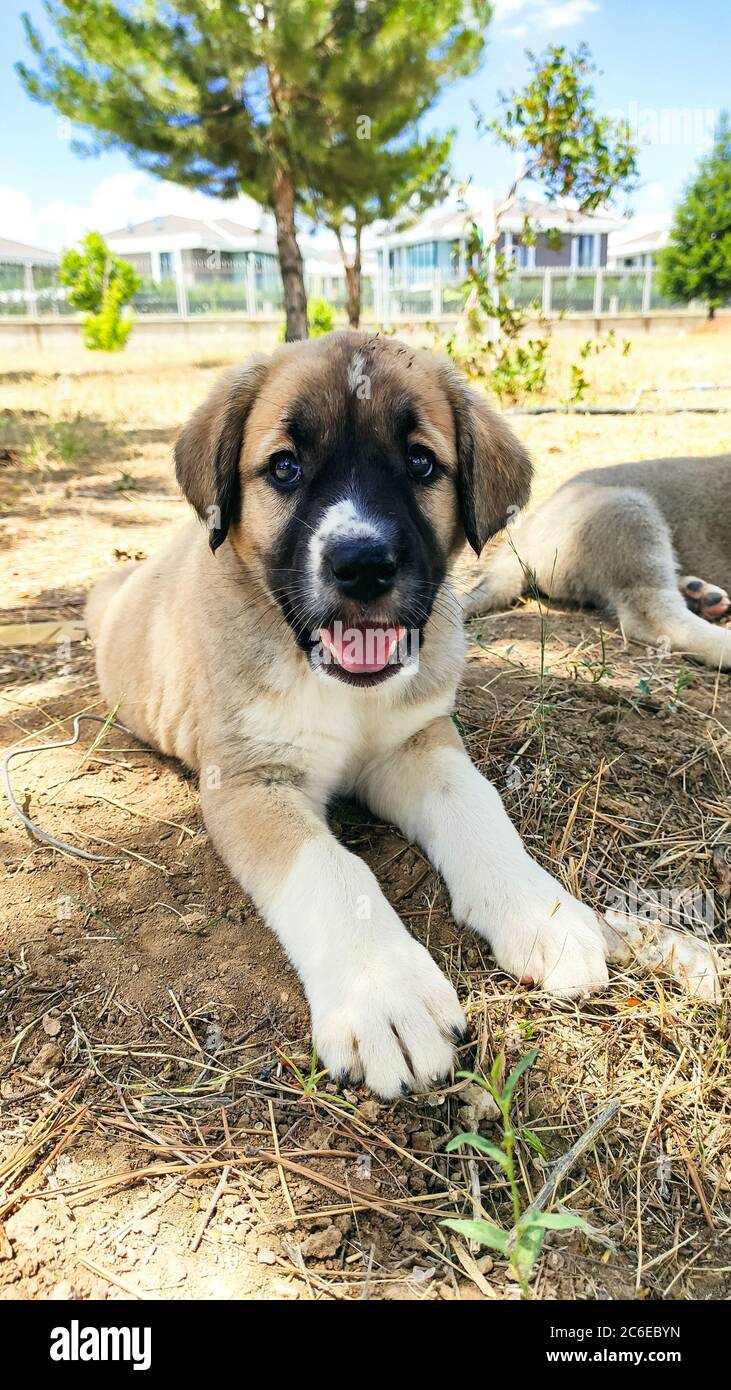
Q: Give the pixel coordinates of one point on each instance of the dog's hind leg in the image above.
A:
(640, 581)
(660, 618)
(101, 596)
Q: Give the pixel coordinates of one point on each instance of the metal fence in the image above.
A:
(34, 292)
(553, 292)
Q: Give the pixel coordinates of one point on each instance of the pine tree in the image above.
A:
(260, 96)
(696, 263)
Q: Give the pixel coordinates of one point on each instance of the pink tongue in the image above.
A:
(362, 650)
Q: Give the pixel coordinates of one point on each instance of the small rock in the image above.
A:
(422, 1140)
(47, 1058)
(266, 1257)
(476, 1107)
(51, 1025)
(322, 1245)
(62, 1292)
(213, 1041)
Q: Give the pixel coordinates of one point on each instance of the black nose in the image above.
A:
(362, 567)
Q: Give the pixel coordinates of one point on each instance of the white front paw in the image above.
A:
(389, 1017)
(538, 932)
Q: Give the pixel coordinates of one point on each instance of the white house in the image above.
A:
(27, 276)
(422, 265)
(635, 244)
(205, 264)
(215, 263)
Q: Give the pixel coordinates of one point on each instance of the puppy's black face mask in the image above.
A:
(372, 517)
(350, 469)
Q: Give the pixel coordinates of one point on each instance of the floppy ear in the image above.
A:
(494, 470)
(207, 450)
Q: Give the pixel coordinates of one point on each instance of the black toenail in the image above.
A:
(405, 1088)
(710, 599)
(459, 1035)
(694, 585)
(343, 1080)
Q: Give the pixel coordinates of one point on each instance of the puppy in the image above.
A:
(307, 641)
(631, 539)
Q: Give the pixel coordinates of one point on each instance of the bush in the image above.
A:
(100, 284)
(320, 319)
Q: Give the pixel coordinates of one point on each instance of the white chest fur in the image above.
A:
(327, 730)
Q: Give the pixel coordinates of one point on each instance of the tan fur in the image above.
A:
(619, 538)
(194, 649)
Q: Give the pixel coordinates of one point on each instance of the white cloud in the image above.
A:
(118, 200)
(17, 222)
(542, 14)
(562, 16)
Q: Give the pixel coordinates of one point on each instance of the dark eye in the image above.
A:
(421, 462)
(284, 470)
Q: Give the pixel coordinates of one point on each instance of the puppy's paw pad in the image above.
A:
(707, 600)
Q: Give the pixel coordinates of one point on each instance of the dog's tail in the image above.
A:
(101, 596)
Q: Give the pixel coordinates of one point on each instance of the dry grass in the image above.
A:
(161, 1131)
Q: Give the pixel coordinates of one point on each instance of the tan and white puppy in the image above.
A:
(631, 539)
(308, 643)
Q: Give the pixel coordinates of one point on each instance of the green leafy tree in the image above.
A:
(569, 150)
(373, 179)
(696, 263)
(100, 284)
(561, 141)
(238, 95)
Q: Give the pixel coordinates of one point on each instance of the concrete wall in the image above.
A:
(247, 335)
(150, 332)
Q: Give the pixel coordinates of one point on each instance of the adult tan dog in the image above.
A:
(307, 641)
(631, 539)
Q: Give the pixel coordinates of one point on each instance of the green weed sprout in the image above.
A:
(522, 1244)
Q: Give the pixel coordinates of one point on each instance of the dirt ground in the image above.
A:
(162, 1131)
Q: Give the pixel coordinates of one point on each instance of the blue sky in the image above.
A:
(664, 64)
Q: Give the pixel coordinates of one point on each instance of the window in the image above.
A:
(166, 265)
(585, 250)
(420, 259)
(521, 255)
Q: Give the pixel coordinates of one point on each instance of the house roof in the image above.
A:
(561, 213)
(643, 234)
(452, 219)
(321, 259)
(18, 251)
(171, 225)
(170, 232)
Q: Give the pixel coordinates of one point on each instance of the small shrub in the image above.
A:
(101, 285)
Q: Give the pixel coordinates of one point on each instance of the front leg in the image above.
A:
(381, 1009)
(537, 931)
